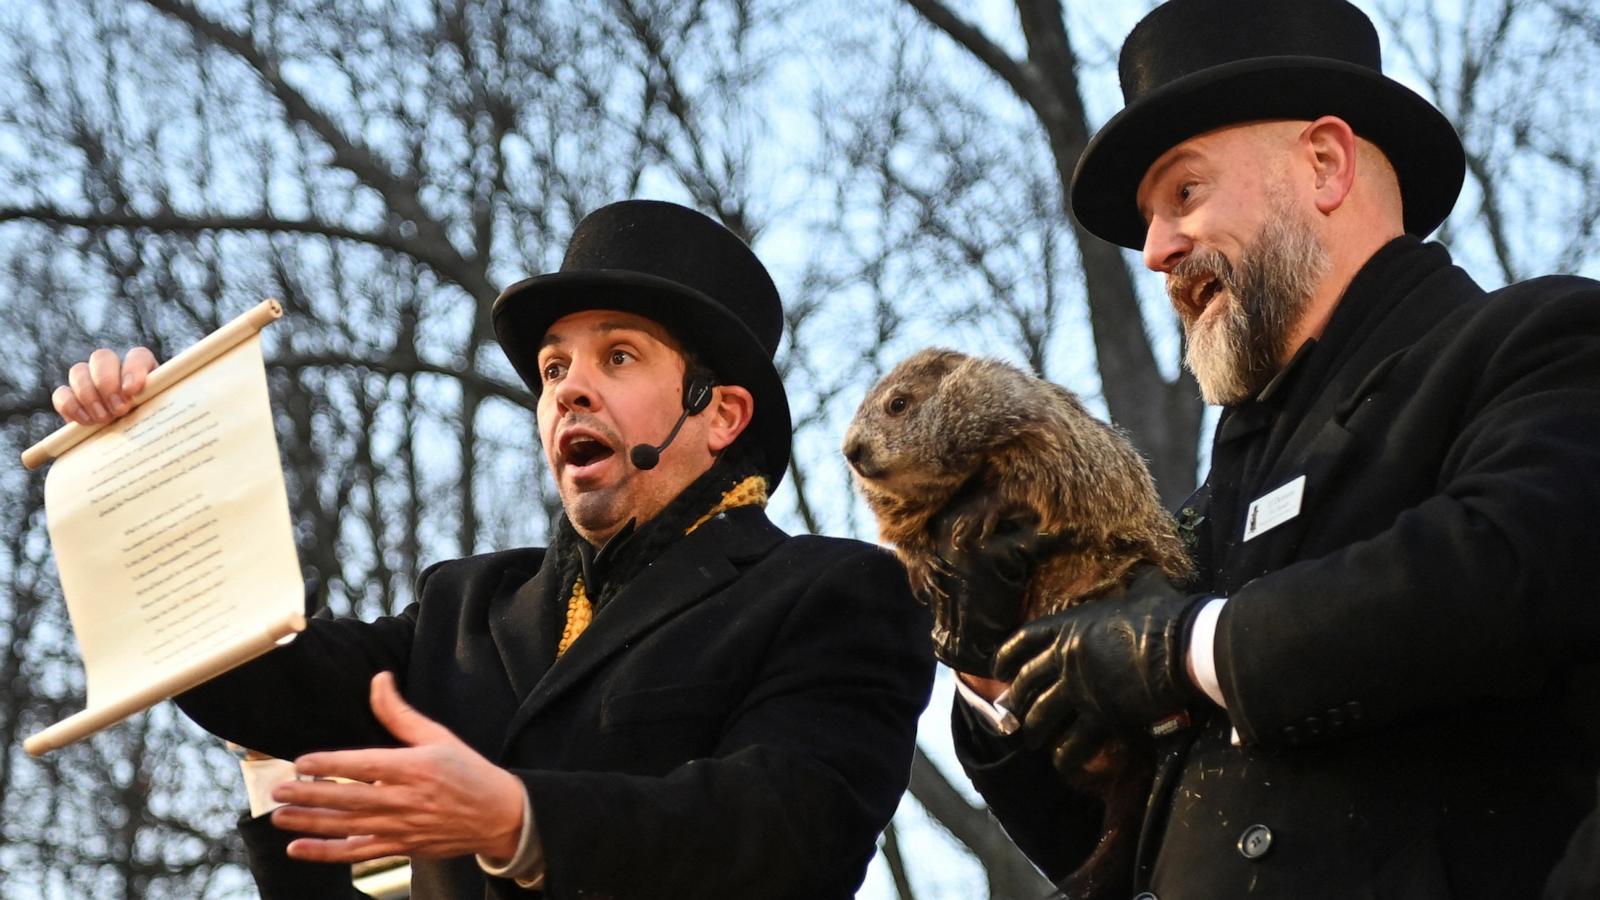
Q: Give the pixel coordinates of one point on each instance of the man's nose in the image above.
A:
(575, 390)
(1165, 245)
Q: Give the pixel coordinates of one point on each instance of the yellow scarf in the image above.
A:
(752, 491)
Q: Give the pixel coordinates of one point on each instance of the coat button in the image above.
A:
(1255, 842)
(1145, 896)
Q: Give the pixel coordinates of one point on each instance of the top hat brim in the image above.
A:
(525, 311)
(1417, 139)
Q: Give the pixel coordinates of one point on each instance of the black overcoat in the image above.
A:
(1399, 659)
(737, 722)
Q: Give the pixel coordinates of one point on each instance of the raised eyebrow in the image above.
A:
(551, 338)
(613, 327)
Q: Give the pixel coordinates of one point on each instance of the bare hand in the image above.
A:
(435, 797)
(101, 389)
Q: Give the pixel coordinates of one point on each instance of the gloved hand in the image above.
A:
(976, 586)
(1120, 659)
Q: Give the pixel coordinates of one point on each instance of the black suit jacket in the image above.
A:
(1396, 657)
(737, 722)
(280, 878)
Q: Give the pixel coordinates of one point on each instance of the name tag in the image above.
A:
(1274, 508)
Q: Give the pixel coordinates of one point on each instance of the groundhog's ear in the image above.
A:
(728, 415)
(963, 385)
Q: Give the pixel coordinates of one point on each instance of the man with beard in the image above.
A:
(675, 699)
(1368, 690)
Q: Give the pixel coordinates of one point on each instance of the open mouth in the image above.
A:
(580, 450)
(1201, 295)
(1192, 297)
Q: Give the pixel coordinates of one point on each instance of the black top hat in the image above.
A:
(1194, 65)
(677, 267)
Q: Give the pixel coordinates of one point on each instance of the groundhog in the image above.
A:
(944, 425)
(995, 444)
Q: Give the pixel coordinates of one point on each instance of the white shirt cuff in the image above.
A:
(1203, 649)
(1203, 654)
(526, 868)
(993, 714)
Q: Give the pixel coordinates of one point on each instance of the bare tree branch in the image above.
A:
(1162, 417)
(348, 153)
(986, 51)
(1009, 872)
(192, 224)
(897, 863)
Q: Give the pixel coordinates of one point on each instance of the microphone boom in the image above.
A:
(696, 396)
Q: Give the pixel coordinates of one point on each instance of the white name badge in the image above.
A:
(1274, 508)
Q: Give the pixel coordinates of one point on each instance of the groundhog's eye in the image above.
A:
(898, 404)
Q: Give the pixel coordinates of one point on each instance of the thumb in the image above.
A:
(398, 716)
(1028, 642)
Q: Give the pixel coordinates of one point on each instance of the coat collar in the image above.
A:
(1393, 301)
(687, 572)
(1388, 306)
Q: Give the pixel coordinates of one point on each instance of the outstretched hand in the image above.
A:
(434, 797)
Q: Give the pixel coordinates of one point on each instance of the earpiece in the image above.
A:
(696, 397)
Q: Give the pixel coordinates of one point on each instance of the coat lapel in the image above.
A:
(1320, 444)
(1320, 466)
(685, 574)
(1319, 449)
(520, 626)
(1402, 296)
(1366, 352)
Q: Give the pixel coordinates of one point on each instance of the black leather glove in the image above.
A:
(976, 586)
(1120, 659)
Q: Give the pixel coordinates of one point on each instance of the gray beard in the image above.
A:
(1236, 350)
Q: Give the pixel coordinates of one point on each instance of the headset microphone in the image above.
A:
(696, 397)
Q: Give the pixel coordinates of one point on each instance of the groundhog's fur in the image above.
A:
(993, 443)
(944, 426)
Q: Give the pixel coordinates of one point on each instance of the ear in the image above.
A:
(1330, 146)
(728, 415)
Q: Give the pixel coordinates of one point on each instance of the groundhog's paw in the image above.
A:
(926, 586)
(1008, 531)
(970, 523)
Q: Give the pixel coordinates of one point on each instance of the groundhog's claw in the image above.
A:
(969, 524)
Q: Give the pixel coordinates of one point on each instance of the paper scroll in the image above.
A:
(171, 532)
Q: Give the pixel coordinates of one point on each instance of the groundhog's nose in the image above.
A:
(855, 452)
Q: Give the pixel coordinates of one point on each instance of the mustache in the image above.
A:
(591, 423)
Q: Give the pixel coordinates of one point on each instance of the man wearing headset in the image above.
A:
(675, 698)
